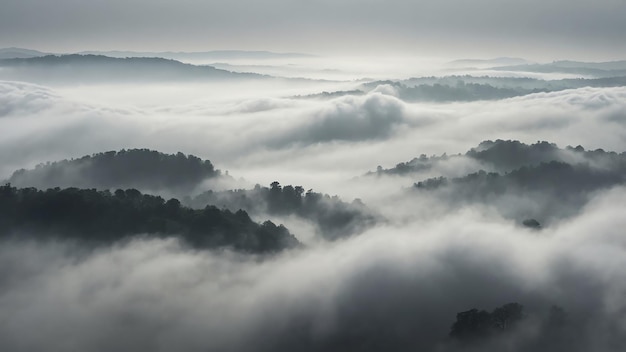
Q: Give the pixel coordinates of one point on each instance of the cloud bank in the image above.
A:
(397, 284)
(389, 287)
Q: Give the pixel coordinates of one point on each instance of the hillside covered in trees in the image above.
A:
(101, 217)
(180, 174)
(333, 217)
(471, 88)
(134, 168)
(521, 181)
(507, 155)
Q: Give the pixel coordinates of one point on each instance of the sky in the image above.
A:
(540, 30)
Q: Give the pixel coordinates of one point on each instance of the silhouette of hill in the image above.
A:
(468, 88)
(507, 155)
(333, 217)
(204, 55)
(102, 217)
(19, 53)
(538, 182)
(134, 168)
(500, 61)
(97, 68)
(596, 69)
(518, 83)
(182, 174)
(558, 178)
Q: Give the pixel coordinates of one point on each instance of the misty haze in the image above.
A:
(322, 176)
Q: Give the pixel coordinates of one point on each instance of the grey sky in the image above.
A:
(542, 29)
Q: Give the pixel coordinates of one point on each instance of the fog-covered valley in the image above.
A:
(269, 202)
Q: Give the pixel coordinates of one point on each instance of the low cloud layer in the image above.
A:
(397, 283)
(42, 125)
(398, 287)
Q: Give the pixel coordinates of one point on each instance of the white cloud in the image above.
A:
(410, 275)
(413, 277)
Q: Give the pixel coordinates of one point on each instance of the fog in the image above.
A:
(410, 208)
(309, 142)
(398, 286)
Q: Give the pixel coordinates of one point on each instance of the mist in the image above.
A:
(407, 282)
(257, 137)
(277, 202)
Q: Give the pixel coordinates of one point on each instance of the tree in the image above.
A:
(477, 324)
(506, 317)
(471, 324)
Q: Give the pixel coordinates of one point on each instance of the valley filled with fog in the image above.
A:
(254, 201)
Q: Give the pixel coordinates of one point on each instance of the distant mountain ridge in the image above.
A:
(596, 69)
(499, 61)
(19, 53)
(200, 55)
(23, 53)
(470, 88)
(96, 68)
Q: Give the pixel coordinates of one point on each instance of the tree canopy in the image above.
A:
(102, 217)
(133, 168)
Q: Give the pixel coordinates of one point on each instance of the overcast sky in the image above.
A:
(539, 29)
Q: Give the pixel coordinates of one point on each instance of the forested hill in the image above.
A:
(133, 168)
(558, 178)
(333, 218)
(507, 155)
(103, 217)
(470, 88)
(521, 181)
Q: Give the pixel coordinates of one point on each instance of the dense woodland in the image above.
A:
(103, 217)
(521, 181)
(333, 217)
(477, 329)
(469, 88)
(150, 170)
(132, 168)
(508, 155)
(555, 177)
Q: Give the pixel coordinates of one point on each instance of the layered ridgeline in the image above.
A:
(187, 176)
(22, 53)
(470, 88)
(77, 68)
(595, 69)
(539, 181)
(103, 218)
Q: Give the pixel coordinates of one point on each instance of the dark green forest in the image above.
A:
(132, 168)
(104, 217)
(334, 218)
